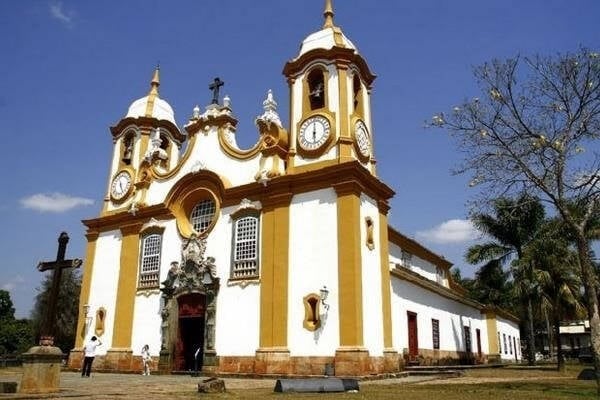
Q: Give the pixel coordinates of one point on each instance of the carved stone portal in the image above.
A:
(196, 275)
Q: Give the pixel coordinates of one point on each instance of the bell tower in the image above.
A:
(146, 136)
(330, 114)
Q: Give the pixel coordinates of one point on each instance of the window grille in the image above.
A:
(245, 248)
(150, 265)
(468, 346)
(202, 215)
(405, 259)
(435, 332)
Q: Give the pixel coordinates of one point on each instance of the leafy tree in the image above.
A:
(66, 308)
(513, 225)
(535, 129)
(16, 335)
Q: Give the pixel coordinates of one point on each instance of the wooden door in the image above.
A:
(413, 342)
(478, 334)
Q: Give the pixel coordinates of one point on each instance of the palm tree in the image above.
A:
(513, 225)
(556, 267)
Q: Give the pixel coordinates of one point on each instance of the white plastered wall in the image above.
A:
(313, 263)
(104, 281)
(452, 317)
(237, 319)
(371, 280)
(508, 329)
(417, 264)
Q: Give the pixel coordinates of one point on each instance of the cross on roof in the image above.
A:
(217, 83)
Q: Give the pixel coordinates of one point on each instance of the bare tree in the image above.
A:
(535, 129)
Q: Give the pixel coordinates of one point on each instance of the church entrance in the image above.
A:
(190, 332)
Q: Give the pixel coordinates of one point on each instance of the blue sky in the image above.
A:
(70, 69)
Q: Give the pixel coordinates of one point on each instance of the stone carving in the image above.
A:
(194, 274)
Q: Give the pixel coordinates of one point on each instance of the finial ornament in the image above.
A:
(155, 83)
(328, 14)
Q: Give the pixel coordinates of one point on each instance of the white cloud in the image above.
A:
(13, 283)
(54, 202)
(57, 12)
(451, 231)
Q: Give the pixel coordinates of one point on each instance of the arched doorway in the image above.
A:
(189, 349)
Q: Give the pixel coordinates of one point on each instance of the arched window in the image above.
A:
(357, 94)
(202, 215)
(245, 247)
(150, 261)
(316, 89)
(127, 148)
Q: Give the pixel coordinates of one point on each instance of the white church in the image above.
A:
(272, 260)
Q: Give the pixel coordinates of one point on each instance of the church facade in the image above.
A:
(272, 260)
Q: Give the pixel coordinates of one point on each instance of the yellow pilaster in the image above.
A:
(349, 265)
(386, 300)
(86, 282)
(492, 330)
(344, 127)
(274, 275)
(126, 287)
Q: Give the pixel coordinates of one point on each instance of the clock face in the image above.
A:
(313, 133)
(121, 185)
(363, 140)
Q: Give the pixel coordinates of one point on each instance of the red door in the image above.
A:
(413, 343)
(478, 332)
(190, 332)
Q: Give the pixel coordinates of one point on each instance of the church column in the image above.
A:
(492, 331)
(351, 358)
(272, 357)
(346, 141)
(391, 356)
(119, 355)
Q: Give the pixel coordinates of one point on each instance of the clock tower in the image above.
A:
(330, 114)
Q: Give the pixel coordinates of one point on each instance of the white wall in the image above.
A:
(313, 262)
(422, 267)
(371, 280)
(103, 288)
(452, 316)
(510, 330)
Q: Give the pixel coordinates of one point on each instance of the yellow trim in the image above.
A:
(235, 152)
(328, 15)
(86, 283)
(153, 94)
(274, 271)
(349, 265)
(126, 287)
(492, 331)
(386, 286)
(344, 130)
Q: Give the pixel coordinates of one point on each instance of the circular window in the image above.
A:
(202, 215)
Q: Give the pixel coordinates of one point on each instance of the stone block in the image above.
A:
(8, 387)
(41, 370)
(587, 374)
(211, 385)
(316, 385)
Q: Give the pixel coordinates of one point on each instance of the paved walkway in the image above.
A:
(138, 387)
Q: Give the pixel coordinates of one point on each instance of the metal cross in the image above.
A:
(47, 331)
(217, 83)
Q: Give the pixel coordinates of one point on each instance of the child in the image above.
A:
(146, 359)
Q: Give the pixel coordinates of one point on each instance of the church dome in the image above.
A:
(151, 105)
(326, 39)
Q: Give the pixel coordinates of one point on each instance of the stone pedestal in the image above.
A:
(352, 361)
(391, 361)
(273, 361)
(41, 370)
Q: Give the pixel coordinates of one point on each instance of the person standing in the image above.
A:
(146, 359)
(89, 352)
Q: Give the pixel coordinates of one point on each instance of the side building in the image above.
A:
(272, 260)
